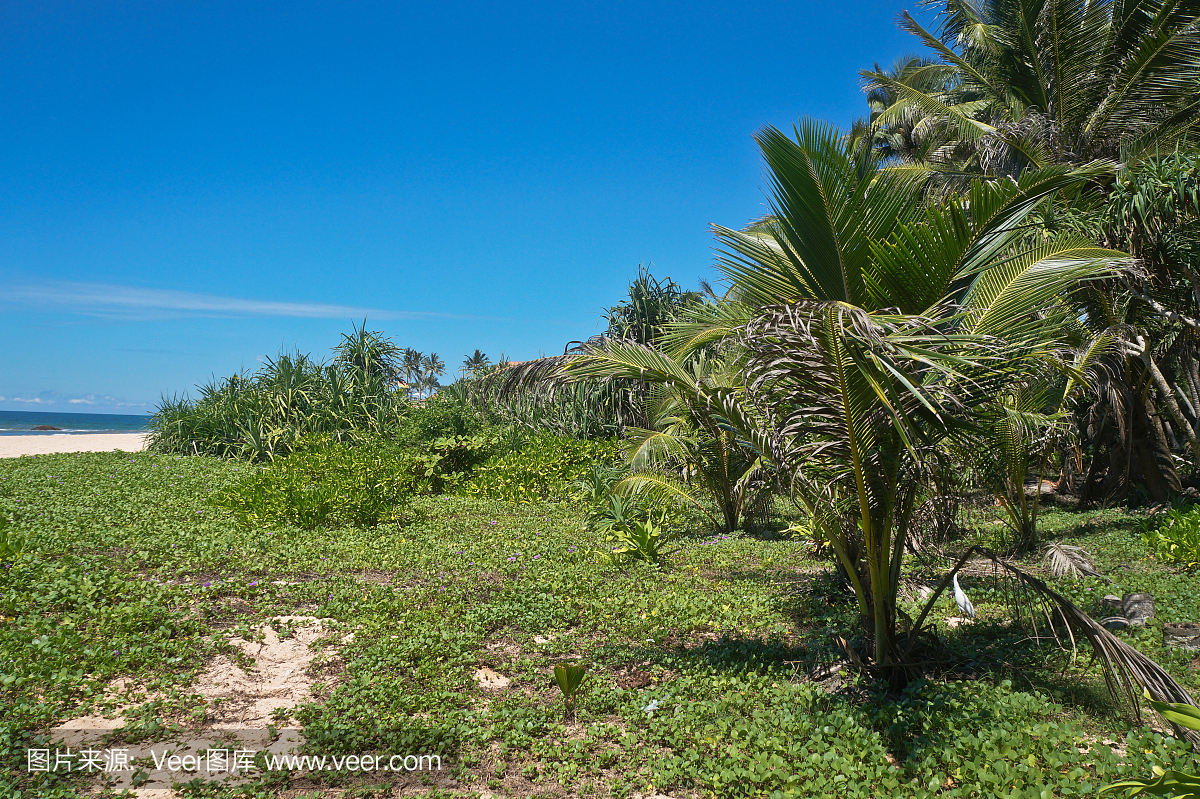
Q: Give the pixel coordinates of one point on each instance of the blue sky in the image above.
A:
(188, 188)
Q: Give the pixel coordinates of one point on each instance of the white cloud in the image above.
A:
(50, 399)
(131, 302)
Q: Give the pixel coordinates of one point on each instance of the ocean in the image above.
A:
(20, 423)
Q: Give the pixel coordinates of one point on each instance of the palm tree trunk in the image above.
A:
(1149, 443)
(1168, 399)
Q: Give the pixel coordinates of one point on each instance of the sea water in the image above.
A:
(20, 423)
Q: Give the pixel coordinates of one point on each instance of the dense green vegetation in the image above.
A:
(737, 509)
(135, 570)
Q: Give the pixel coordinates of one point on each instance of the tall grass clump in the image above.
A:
(260, 416)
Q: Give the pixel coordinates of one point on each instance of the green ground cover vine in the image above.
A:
(133, 572)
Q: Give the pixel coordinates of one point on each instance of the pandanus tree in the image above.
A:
(1142, 411)
(651, 306)
(880, 325)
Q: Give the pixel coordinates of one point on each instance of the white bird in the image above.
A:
(960, 597)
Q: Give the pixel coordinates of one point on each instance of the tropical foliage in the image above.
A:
(882, 324)
(325, 485)
(1015, 84)
(987, 283)
(264, 415)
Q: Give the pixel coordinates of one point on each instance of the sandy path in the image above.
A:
(12, 446)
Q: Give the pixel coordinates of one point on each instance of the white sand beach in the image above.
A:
(14, 446)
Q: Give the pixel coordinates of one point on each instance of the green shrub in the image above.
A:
(437, 417)
(327, 486)
(446, 462)
(544, 468)
(1175, 537)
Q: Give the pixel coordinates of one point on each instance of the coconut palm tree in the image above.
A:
(432, 367)
(1020, 83)
(412, 360)
(908, 137)
(878, 326)
(476, 364)
(693, 448)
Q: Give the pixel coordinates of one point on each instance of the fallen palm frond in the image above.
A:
(1126, 670)
(1066, 560)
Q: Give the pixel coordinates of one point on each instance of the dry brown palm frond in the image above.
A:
(1126, 670)
(1067, 560)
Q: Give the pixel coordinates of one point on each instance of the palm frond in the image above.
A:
(660, 486)
(1067, 560)
(1126, 670)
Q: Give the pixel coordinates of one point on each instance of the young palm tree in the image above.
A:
(879, 325)
(693, 449)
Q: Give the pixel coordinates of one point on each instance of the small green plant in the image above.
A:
(1174, 537)
(1165, 783)
(624, 521)
(12, 543)
(570, 678)
(641, 539)
(613, 512)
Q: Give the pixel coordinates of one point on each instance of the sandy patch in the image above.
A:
(240, 705)
(14, 446)
(245, 700)
(491, 680)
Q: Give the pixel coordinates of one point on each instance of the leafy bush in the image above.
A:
(1175, 537)
(437, 417)
(446, 462)
(327, 486)
(544, 468)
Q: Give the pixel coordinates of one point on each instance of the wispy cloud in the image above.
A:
(134, 303)
(52, 400)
